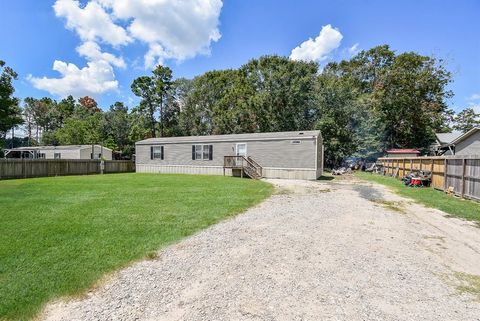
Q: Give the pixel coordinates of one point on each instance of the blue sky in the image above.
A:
(211, 34)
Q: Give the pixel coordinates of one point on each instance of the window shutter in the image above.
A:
(161, 149)
(151, 152)
(210, 152)
(193, 152)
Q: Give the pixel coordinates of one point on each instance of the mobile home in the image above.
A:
(60, 152)
(295, 155)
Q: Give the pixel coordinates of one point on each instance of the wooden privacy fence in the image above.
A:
(462, 173)
(26, 168)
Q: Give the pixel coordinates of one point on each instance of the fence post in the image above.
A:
(445, 167)
(102, 166)
(464, 163)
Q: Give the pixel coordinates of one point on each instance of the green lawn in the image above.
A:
(59, 235)
(430, 197)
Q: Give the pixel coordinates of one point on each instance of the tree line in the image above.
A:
(376, 100)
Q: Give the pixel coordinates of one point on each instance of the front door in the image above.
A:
(241, 149)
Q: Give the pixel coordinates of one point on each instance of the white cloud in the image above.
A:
(353, 50)
(94, 79)
(172, 29)
(474, 97)
(317, 50)
(92, 23)
(92, 52)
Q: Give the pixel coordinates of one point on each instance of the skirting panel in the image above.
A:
(182, 169)
(289, 173)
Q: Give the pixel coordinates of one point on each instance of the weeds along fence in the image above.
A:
(461, 174)
(27, 168)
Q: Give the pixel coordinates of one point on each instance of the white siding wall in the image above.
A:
(469, 146)
(279, 158)
(64, 153)
(272, 153)
(87, 151)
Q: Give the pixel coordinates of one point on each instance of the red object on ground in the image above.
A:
(416, 182)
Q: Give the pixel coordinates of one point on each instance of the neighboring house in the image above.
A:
(296, 155)
(458, 143)
(402, 153)
(60, 152)
(443, 143)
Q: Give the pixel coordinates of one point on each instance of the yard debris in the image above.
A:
(418, 179)
(341, 171)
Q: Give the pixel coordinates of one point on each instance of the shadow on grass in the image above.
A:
(325, 178)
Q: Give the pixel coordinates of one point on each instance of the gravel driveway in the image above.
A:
(340, 250)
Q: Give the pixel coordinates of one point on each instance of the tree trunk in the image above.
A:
(161, 118)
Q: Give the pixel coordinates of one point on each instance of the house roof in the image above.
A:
(64, 147)
(403, 151)
(447, 138)
(465, 135)
(233, 137)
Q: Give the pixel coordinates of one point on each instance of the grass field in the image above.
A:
(59, 235)
(430, 197)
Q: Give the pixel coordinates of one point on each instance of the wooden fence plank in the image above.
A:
(462, 173)
(26, 168)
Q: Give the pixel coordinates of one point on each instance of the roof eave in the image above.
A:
(466, 135)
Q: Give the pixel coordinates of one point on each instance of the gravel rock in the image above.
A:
(313, 251)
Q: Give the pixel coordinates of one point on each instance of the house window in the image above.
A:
(202, 152)
(57, 155)
(156, 152)
(41, 155)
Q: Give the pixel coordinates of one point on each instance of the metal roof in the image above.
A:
(403, 151)
(233, 137)
(465, 135)
(64, 147)
(447, 138)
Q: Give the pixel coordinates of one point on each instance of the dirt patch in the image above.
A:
(391, 205)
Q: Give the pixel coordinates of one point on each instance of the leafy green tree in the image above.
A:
(215, 105)
(144, 87)
(76, 131)
(10, 112)
(338, 117)
(45, 117)
(466, 120)
(140, 125)
(66, 107)
(162, 77)
(29, 119)
(153, 91)
(117, 128)
(404, 96)
(411, 100)
(283, 96)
